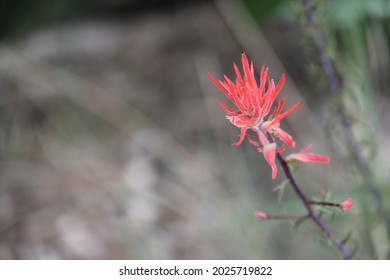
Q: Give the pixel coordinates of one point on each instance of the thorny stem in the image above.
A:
(335, 89)
(306, 202)
(323, 203)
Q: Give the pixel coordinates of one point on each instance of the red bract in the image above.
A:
(346, 204)
(254, 102)
(302, 156)
(261, 215)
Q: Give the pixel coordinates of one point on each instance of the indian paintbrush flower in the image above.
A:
(255, 111)
(254, 103)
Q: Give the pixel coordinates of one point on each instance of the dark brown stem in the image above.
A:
(323, 203)
(306, 202)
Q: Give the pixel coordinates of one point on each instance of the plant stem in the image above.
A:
(323, 203)
(335, 89)
(306, 202)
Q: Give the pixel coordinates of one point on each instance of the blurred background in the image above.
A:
(112, 145)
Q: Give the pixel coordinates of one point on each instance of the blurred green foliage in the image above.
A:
(346, 13)
(261, 10)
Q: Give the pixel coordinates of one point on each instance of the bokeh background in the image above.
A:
(112, 145)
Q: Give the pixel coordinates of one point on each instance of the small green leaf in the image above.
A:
(347, 238)
(299, 222)
(280, 189)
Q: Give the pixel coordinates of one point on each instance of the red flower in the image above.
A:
(307, 157)
(254, 102)
(346, 204)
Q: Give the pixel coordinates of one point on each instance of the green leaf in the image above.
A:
(299, 222)
(280, 189)
(348, 237)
